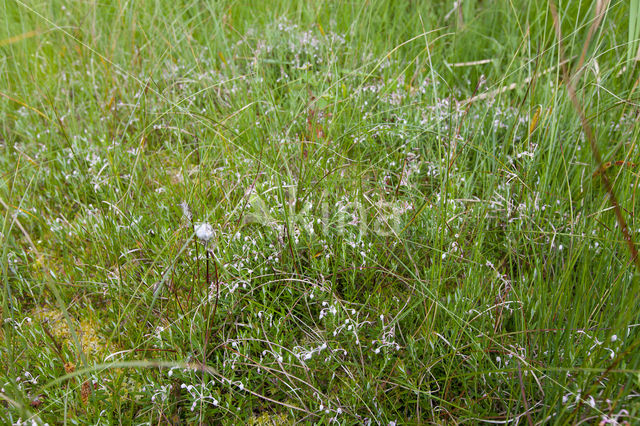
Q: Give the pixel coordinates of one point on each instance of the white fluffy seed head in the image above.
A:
(186, 211)
(204, 232)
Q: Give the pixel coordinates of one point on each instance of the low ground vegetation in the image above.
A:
(312, 211)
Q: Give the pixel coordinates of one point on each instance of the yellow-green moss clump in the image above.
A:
(266, 419)
(93, 344)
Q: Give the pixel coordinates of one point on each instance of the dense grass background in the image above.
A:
(409, 223)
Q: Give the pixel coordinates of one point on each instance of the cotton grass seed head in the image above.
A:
(186, 211)
(204, 231)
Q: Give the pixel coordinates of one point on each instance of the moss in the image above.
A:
(93, 344)
(270, 419)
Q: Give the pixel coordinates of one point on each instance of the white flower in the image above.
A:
(204, 232)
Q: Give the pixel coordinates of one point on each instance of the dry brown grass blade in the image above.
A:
(19, 37)
(524, 396)
(513, 86)
(601, 8)
(588, 131)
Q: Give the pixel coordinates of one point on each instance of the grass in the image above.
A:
(409, 223)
